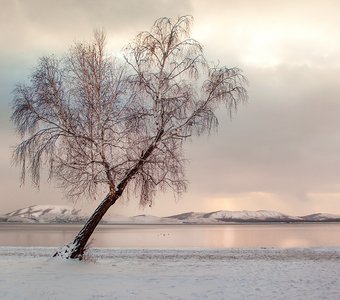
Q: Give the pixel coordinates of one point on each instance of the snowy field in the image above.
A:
(30, 273)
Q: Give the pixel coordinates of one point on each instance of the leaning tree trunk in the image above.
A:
(77, 247)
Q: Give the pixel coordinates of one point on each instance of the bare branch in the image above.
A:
(98, 123)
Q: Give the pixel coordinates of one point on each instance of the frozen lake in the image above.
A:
(177, 236)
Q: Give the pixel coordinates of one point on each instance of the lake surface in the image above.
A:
(177, 236)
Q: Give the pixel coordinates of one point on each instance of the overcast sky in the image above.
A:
(280, 152)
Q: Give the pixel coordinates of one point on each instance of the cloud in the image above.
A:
(269, 33)
(284, 142)
(281, 149)
(55, 24)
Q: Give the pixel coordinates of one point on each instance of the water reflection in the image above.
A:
(177, 236)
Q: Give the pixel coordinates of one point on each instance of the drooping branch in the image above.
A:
(101, 124)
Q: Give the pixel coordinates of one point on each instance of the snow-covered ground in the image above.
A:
(30, 273)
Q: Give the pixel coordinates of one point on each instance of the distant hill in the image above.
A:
(225, 216)
(45, 214)
(236, 216)
(64, 214)
(322, 217)
(56, 214)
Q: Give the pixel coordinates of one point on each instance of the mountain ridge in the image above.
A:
(56, 214)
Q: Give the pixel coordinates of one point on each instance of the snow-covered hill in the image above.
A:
(247, 215)
(223, 216)
(235, 216)
(45, 214)
(64, 214)
(322, 217)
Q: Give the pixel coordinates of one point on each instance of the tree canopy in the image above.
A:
(100, 122)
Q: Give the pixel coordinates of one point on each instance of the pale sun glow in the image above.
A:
(242, 201)
(269, 46)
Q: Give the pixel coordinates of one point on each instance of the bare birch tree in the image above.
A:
(103, 124)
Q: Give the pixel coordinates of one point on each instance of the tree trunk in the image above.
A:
(77, 248)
